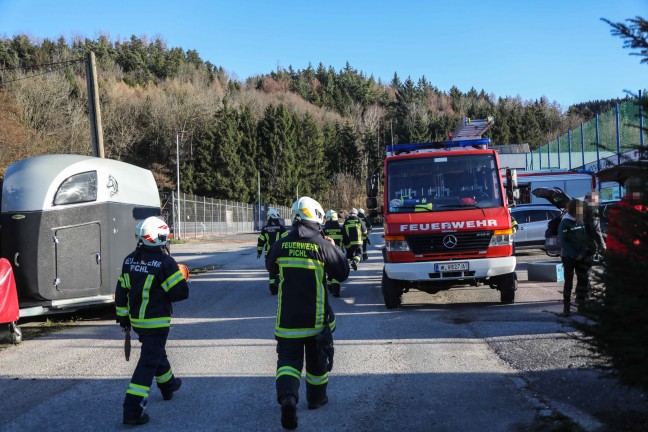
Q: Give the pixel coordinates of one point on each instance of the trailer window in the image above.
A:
(77, 189)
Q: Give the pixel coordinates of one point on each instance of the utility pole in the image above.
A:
(178, 234)
(259, 192)
(93, 106)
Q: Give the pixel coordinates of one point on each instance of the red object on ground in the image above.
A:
(9, 311)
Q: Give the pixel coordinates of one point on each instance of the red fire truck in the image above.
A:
(446, 218)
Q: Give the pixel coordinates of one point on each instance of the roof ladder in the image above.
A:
(472, 129)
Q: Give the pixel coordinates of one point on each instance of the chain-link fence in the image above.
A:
(192, 216)
(606, 140)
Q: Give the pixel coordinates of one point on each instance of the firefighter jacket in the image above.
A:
(354, 231)
(332, 229)
(270, 233)
(366, 221)
(301, 261)
(149, 283)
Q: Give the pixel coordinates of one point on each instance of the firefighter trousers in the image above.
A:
(354, 253)
(290, 364)
(153, 363)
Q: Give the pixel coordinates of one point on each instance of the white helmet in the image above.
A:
(307, 209)
(331, 215)
(360, 211)
(273, 214)
(152, 231)
(353, 212)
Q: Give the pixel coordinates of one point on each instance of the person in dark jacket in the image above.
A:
(573, 240)
(301, 261)
(150, 281)
(354, 232)
(333, 230)
(596, 241)
(270, 233)
(365, 240)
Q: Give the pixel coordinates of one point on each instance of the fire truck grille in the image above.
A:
(449, 242)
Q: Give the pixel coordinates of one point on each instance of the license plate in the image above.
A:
(451, 266)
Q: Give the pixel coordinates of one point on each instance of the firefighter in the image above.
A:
(333, 230)
(365, 240)
(270, 233)
(354, 232)
(150, 281)
(300, 260)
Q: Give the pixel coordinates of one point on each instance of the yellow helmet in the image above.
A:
(307, 209)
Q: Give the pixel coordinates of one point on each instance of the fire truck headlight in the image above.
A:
(397, 246)
(502, 238)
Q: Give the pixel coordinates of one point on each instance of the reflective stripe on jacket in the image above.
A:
(149, 283)
(301, 261)
(270, 233)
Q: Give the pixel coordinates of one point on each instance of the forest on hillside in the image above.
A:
(315, 131)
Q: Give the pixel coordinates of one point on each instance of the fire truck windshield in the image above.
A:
(442, 183)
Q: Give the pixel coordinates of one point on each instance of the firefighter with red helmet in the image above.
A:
(270, 233)
(301, 260)
(150, 281)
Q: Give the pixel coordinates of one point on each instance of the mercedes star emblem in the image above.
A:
(449, 241)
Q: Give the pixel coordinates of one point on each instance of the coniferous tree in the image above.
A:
(311, 167)
(277, 161)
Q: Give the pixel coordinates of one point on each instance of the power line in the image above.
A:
(66, 62)
(2, 82)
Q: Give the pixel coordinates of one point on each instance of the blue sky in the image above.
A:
(557, 49)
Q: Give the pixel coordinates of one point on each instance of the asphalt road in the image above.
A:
(456, 360)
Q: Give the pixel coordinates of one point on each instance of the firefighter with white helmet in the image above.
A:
(150, 281)
(333, 230)
(270, 233)
(353, 233)
(301, 260)
(362, 216)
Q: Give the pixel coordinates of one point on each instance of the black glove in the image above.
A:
(368, 241)
(124, 322)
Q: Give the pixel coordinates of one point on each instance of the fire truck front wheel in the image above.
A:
(392, 291)
(507, 285)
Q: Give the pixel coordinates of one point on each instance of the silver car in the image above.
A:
(532, 223)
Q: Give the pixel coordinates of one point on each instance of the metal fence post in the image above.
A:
(582, 144)
(598, 155)
(569, 147)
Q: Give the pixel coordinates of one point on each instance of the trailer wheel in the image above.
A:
(392, 292)
(507, 285)
(15, 333)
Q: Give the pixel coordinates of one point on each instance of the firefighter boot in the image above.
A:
(134, 414)
(566, 310)
(289, 412)
(167, 391)
(354, 262)
(316, 396)
(365, 257)
(273, 289)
